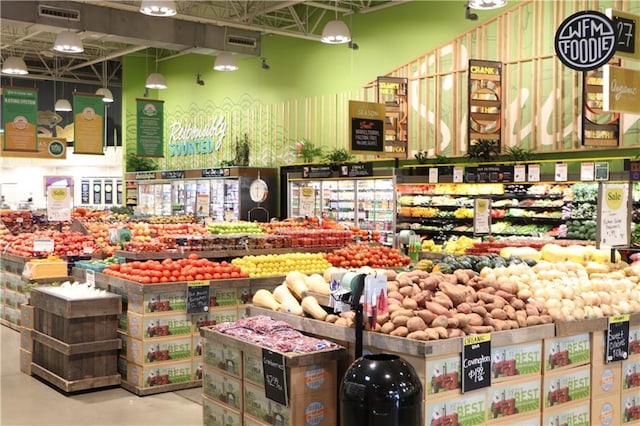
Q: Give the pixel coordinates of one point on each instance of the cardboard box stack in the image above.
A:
(234, 391)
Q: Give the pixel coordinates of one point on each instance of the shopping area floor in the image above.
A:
(27, 401)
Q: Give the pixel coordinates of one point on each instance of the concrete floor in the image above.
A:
(25, 400)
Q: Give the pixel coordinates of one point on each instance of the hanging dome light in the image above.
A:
(14, 65)
(225, 62)
(155, 81)
(63, 105)
(486, 4)
(158, 7)
(106, 94)
(336, 32)
(68, 42)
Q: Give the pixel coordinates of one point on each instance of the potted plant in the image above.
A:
(484, 149)
(307, 151)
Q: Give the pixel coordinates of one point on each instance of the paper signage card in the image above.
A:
(482, 216)
(533, 173)
(614, 216)
(433, 175)
(519, 173)
(458, 174)
(562, 172)
(586, 172)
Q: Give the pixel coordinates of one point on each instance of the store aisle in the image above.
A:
(25, 400)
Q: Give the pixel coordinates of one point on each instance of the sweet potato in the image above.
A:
(506, 296)
(392, 286)
(513, 324)
(429, 283)
(331, 318)
(400, 320)
(486, 297)
(418, 335)
(401, 312)
(454, 332)
(509, 287)
(463, 319)
(521, 318)
(546, 319)
(481, 329)
(410, 303)
(395, 295)
(480, 310)
(442, 332)
(498, 314)
(416, 324)
(390, 274)
(517, 303)
(387, 327)
(437, 309)
(381, 319)
(432, 334)
(531, 310)
(464, 308)
(350, 315)
(421, 297)
(474, 320)
(450, 278)
(394, 306)
(342, 322)
(461, 276)
(426, 315)
(498, 325)
(400, 332)
(457, 293)
(403, 280)
(499, 302)
(534, 320)
(489, 290)
(439, 321)
(510, 311)
(406, 291)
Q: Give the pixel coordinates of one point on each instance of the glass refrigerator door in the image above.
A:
(178, 197)
(375, 206)
(305, 199)
(165, 199)
(203, 189)
(146, 198)
(217, 200)
(231, 203)
(339, 200)
(190, 190)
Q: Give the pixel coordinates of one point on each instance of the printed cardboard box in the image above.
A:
(318, 378)
(215, 414)
(159, 374)
(517, 420)
(152, 326)
(566, 386)
(223, 297)
(222, 387)
(630, 373)
(630, 407)
(575, 414)
(634, 341)
(158, 350)
(605, 378)
(516, 360)
(213, 317)
(467, 409)
(605, 410)
(443, 374)
(566, 352)
(250, 421)
(223, 357)
(252, 370)
(599, 347)
(514, 397)
(148, 303)
(258, 406)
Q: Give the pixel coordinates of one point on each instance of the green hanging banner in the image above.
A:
(20, 119)
(150, 128)
(88, 114)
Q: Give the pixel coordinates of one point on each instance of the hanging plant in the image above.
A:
(338, 156)
(307, 151)
(484, 149)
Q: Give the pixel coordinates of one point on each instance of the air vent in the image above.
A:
(241, 41)
(58, 13)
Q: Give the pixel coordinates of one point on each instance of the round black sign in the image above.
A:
(586, 40)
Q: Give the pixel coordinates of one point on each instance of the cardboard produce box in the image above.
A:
(566, 352)
(223, 357)
(605, 378)
(317, 378)
(605, 410)
(213, 317)
(251, 421)
(443, 375)
(216, 414)
(514, 397)
(574, 414)
(148, 303)
(222, 387)
(143, 352)
(152, 326)
(159, 374)
(598, 347)
(469, 409)
(223, 297)
(508, 362)
(630, 407)
(566, 386)
(634, 341)
(630, 373)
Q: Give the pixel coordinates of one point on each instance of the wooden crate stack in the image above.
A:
(75, 343)
(234, 391)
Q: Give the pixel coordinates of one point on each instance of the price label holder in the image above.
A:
(433, 175)
(275, 377)
(90, 277)
(476, 362)
(617, 338)
(197, 297)
(46, 245)
(482, 216)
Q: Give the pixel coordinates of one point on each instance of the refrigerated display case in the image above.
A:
(366, 202)
(154, 198)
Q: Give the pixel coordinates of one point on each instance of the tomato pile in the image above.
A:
(65, 243)
(357, 255)
(190, 269)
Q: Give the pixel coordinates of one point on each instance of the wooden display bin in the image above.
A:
(75, 343)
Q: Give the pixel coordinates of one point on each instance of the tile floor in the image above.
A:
(26, 401)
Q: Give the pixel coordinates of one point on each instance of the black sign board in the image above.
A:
(275, 377)
(627, 33)
(489, 174)
(314, 172)
(367, 134)
(84, 192)
(586, 40)
(634, 170)
(356, 170)
(172, 174)
(145, 175)
(220, 172)
(618, 338)
(476, 362)
(197, 297)
(108, 191)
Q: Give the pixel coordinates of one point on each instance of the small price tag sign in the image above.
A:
(43, 245)
(618, 338)
(90, 277)
(197, 297)
(476, 362)
(275, 377)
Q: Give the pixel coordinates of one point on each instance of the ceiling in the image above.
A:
(112, 29)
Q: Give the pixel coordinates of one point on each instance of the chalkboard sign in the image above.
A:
(366, 126)
(626, 25)
(618, 338)
(197, 297)
(275, 377)
(476, 362)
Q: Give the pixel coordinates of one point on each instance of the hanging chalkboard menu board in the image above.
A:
(366, 126)
(197, 297)
(476, 362)
(275, 377)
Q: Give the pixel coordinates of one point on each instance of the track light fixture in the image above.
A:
(470, 15)
(199, 81)
(265, 65)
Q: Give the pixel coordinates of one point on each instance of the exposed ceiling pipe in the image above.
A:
(32, 76)
(176, 55)
(274, 8)
(382, 6)
(23, 38)
(113, 55)
(328, 7)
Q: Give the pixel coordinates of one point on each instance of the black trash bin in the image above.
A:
(381, 390)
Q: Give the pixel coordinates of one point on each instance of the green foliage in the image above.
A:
(338, 156)
(422, 157)
(484, 149)
(307, 150)
(242, 151)
(516, 154)
(140, 164)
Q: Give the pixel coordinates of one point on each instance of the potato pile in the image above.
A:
(432, 306)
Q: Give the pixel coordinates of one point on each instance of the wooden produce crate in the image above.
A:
(75, 343)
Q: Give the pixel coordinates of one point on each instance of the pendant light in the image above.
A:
(158, 7)
(225, 62)
(486, 4)
(336, 31)
(107, 96)
(68, 42)
(14, 65)
(155, 80)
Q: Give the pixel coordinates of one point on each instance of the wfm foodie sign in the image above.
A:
(196, 138)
